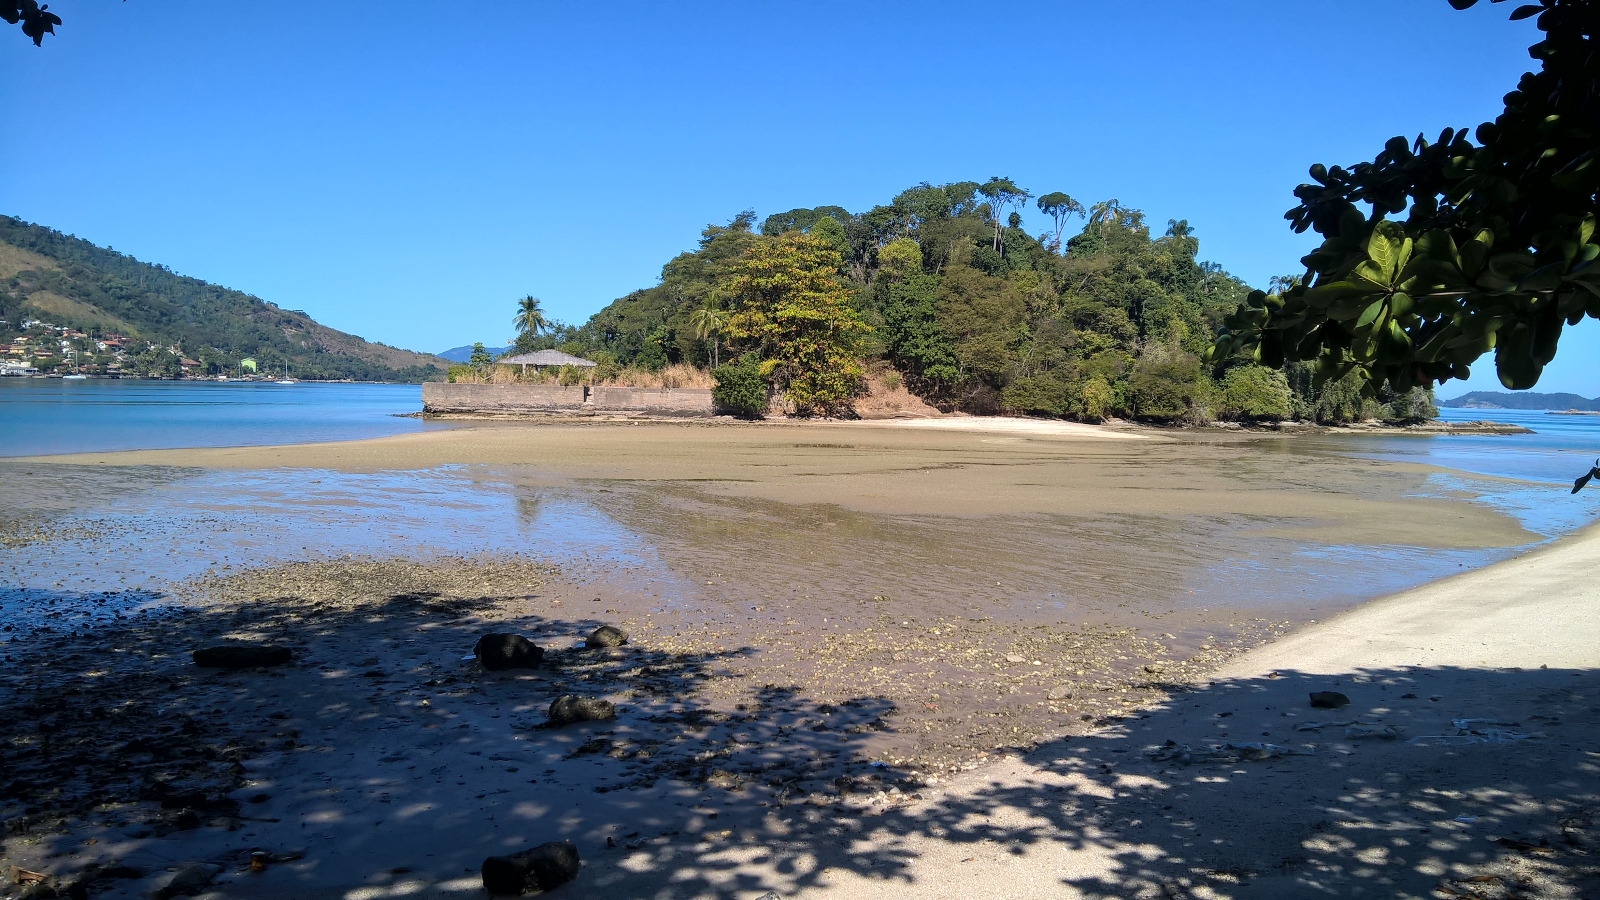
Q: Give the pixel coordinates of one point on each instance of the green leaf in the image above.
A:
(1370, 315)
(1513, 358)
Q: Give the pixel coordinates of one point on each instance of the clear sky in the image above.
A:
(405, 171)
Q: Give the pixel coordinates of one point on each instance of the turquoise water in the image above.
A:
(40, 416)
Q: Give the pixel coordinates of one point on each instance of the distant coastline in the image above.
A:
(1526, 400)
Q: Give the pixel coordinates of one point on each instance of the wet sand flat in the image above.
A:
(870, 467)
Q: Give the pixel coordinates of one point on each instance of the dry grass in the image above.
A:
(674, 376)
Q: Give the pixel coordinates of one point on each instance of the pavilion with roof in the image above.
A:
(544, 358)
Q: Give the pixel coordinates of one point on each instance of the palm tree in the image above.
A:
(1105, 211)
(708, 321)
(530, 318)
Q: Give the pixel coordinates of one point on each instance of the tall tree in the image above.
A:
(1059, 207)
(1181, 234)
(708, 321)
(1106, 211)
(1497, 250)
(789, 305)
(530, 318)
(1001, 193)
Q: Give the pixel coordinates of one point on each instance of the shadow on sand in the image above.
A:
(380, 763)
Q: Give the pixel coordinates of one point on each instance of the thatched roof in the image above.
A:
(545, 358)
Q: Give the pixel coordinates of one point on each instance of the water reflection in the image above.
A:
(195, 521)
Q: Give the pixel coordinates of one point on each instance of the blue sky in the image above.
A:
(406, 171)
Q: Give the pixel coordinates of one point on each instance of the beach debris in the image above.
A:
(189, 881)
(1318, 726)
(1328, 700)
(1252, 751)
(1379, 732)
(568, 708)
(606, 636)
(259, 860)
(241, 656)
(23, 876)
(1523, 846)
(507, 651)
(1476, 736)
(1470, 724)
(543, 868)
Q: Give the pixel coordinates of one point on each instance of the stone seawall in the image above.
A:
(578, 400)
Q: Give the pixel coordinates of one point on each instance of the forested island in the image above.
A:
(943, 290)
(120, 316)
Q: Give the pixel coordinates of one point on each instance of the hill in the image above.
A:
(1521, 400)
(462, 354)
(47, 275)
(941, 290)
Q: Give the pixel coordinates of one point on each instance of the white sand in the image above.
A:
(1014, 425)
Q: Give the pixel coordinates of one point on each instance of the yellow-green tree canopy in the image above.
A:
(788, 304)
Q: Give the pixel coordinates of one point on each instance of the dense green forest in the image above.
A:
(62, 279)
(969, 310)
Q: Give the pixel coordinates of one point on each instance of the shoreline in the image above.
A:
(1114, 430)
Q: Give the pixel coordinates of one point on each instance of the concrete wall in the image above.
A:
(439, 397)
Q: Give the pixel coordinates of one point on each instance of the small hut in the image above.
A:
(545, 358)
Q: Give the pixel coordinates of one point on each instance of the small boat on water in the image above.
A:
(74, 378)
(286, 379)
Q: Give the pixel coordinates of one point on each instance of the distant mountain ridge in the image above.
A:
(463, 354)
(1521, 400)
(69, 281)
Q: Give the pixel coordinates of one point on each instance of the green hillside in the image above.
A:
(58, 278)
(1521, 400)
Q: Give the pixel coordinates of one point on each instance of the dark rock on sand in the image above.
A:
(568, 709)
(543, 868)
(189, 881)
(1328, 699)
(606, 636)
(241, 656)
(507, 651)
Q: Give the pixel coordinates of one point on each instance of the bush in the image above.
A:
(459, 374)
(1255, 393)
(1415, 405)
(651, 357)
(1035, 395)
(1168, 386)
(1097, 399)
(740, 389)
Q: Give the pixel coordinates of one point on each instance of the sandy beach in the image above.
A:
(868, 689)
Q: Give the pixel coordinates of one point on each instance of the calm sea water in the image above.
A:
(41, 416)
